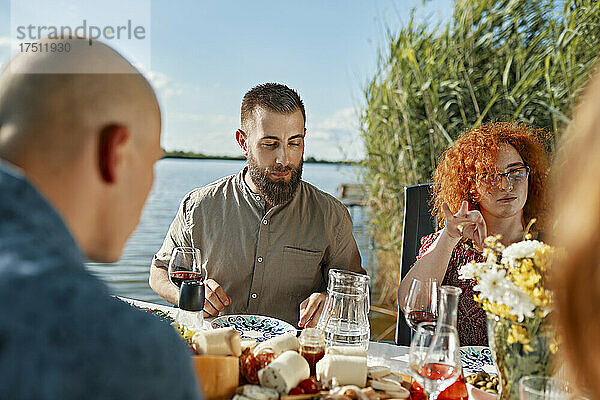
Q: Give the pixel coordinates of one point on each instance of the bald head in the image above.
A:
(85, 128)
(52, 104)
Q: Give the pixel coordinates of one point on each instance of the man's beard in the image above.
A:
(275, 192)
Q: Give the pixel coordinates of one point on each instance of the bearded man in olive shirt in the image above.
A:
(267, 238)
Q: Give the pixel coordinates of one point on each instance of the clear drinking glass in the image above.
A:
(345, 317)
(421, 303)
(544, 388)
(434, 357)
(186, 265)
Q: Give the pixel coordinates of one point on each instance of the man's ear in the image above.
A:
(112, 140)
(242, 139)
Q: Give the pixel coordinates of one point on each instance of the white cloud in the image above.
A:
(202, 139)
(204, 133)
(4, 41)
(158, 79)
(336, 137)
(210, 119)
(344, 119)
(161, 82)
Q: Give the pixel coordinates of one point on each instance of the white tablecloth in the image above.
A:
(378, 353)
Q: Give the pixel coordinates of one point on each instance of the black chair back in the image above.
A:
(418, 222)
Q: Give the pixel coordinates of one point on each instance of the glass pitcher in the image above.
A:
(345, 317)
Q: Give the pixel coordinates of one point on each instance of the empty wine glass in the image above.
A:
(434, 357)
(186, 265)
(421, 302)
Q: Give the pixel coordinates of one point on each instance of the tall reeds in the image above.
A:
(510, 60)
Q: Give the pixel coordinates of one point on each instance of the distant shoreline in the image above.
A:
(199, 156)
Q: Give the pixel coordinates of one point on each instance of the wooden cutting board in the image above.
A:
(218, 375)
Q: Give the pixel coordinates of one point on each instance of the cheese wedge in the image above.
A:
(278, 344)
(241, 397)
(378, 371)
(218, 342)
(218, 376)
(346, 370)
(256, 392)
(387, 385)
(285, 372)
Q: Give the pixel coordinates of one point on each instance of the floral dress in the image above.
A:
(472, 328)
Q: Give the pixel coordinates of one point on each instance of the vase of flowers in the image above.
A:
(511, 286)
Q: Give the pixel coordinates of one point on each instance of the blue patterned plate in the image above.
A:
(476, 358)
(254, 326)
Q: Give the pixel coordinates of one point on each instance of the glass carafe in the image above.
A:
(345, 317)
(448, 310)
(448, 307)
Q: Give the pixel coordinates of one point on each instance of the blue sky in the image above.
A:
(204, 55)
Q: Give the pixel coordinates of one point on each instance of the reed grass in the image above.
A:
(509, 60)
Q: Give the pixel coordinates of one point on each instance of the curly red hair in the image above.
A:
(474, 152)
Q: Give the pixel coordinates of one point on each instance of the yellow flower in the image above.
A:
(543, 257)
(183, 331)
(526, 266)
(526, 278)
(518, 334)
(554, 345)
(498, 309)
(542, 297)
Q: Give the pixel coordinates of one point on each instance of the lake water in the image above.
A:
(174, 178)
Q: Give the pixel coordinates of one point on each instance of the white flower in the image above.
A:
(493, 284)
(519, 302)
(523, 249)
(490, 257)
(468, 271)
(509, 262)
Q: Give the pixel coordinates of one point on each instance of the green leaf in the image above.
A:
(506, 71)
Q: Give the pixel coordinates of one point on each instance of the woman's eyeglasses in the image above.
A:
(514, 176)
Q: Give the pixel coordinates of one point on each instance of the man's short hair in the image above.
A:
(273, 97)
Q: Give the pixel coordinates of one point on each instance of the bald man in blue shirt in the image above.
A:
(77, 153)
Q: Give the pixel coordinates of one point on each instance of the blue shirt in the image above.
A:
(62, 336)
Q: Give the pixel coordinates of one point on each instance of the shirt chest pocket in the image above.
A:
(301, 270)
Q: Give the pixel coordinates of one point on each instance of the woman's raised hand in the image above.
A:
(465, 223)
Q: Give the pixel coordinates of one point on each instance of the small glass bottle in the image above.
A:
(448, 309)
(312, 347)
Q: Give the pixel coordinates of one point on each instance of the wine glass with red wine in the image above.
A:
(434, 357)
(186, 265)
(421, 302)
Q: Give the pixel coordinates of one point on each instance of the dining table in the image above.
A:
(378, 353)
(395, 357)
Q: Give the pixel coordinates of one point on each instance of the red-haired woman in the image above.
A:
(491, 181)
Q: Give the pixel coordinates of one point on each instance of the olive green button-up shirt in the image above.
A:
(267, 262)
